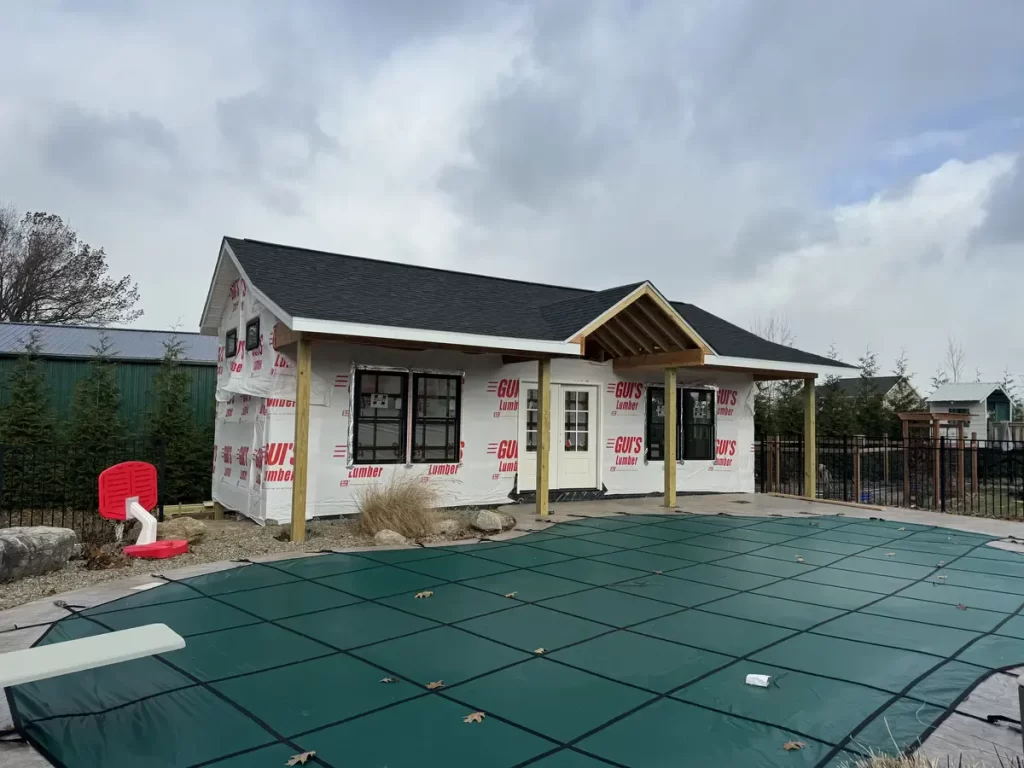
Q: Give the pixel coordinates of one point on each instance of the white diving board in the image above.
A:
(45, 661)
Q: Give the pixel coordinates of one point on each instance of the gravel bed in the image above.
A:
(223, 540)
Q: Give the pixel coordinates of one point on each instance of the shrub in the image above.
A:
(404, 504)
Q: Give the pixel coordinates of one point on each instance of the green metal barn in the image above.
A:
(67, 350)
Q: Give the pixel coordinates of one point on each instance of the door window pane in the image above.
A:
(576, 420)
(532, 406)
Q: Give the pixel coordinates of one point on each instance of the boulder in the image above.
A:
(35, 550)
(489, 521)
(446, 527)
(187, 528)
(389, 538)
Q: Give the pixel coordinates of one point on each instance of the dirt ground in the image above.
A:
(223, 540)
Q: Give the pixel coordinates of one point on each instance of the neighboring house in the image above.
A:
(887, 386)
(433, 374)
(65, 351)
(987, 403)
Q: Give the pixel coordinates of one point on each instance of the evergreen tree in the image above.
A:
(1009, 385)
(835, 414)
(186, 475)
(903, 398)
(27, 418)
(96, 432)
(27, 431)
(869, 408)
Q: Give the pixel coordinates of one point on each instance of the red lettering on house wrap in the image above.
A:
(443, 469)
(279, 453)
(627, 394)
(626, 450)
(725, 450)
(366, 471)
(727, 399)
(507, 392)
(507, 453)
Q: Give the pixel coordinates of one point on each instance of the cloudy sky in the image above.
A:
(853, 167)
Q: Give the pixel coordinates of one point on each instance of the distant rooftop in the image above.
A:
(852, 387)
(964, 392)
(125, 343)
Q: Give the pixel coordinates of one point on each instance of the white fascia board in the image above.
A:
(279, 313)
(367, 331)
(203, 328)
(804, 369)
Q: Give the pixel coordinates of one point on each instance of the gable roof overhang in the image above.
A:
(213, 313)
(633, 325)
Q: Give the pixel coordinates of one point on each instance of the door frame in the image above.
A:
(596, 434)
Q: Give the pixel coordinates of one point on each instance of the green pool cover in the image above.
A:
(619, 641)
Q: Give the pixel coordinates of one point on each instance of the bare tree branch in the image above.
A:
(955, 360)
(47, 275)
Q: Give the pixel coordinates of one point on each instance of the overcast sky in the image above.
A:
(853, 166)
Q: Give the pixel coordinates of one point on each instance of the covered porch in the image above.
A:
(637, 332)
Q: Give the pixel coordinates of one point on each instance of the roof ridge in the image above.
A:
(416, 266)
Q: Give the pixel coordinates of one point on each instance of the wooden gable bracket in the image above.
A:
(682, 359)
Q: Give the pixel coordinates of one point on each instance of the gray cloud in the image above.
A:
(1005, 221)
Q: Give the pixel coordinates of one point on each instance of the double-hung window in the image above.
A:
(696, 423)
(406, 417)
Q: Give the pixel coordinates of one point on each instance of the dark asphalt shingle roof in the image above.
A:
(328, 286)
(126, 343)
(851, 387)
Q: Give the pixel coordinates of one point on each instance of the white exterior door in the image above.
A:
(573, 457)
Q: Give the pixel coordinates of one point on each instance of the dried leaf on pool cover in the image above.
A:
(388, 680)
(658, 572)
(540, 651)
(961, 607)
(890, 554)
(511, 594)
(435, 684)
(789, 746)
(300, 759)
(423, 595)
(799, 559)
(474, 717)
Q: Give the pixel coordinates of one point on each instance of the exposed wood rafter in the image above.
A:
(680, 359)
(670, 330)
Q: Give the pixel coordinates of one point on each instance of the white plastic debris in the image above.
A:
(761, 681)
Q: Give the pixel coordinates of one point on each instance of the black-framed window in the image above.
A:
(698, 417)
(231, 343)
(379, 417)
(655, 432)
(252, 334)
(695, 439)
(435, 418)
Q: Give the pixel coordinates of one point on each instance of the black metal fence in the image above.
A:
(984, 478)
(57, 484)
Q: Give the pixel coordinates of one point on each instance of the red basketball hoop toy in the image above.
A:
(128, 491)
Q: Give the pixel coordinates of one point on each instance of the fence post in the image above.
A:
(960, 480)
(936, 466)
(162, 477)
(762, 463)
(974, 463)
(886, 472)
(858, 441)
(906, 463)
(942, 474)
(777, 469)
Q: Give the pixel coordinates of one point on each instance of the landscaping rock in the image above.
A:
(489, 521)
(446, 527)
(32, 551)
(387, 538)
(187, 528)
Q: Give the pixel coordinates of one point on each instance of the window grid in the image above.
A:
(252, 334)
(230, 343)
(577, 421)
(436, 416)
(532, 408)
(379, 434)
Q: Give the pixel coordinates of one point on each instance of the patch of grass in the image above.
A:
(404, 504)
(919, 761)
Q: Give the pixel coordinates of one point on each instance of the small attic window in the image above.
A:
(252, 334)
(231, 343)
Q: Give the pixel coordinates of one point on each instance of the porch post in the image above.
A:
(543, 434)
(671, 430)
(303, 370)
(810, 441)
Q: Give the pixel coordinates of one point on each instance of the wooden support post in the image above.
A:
(769, 465)
(906, 463)
(960, 480)
(303, 375)
(543, 434)
(810, 441)
(218, 511)
(858, 443)
(936, 468)
(671, 433)
(974, 463)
